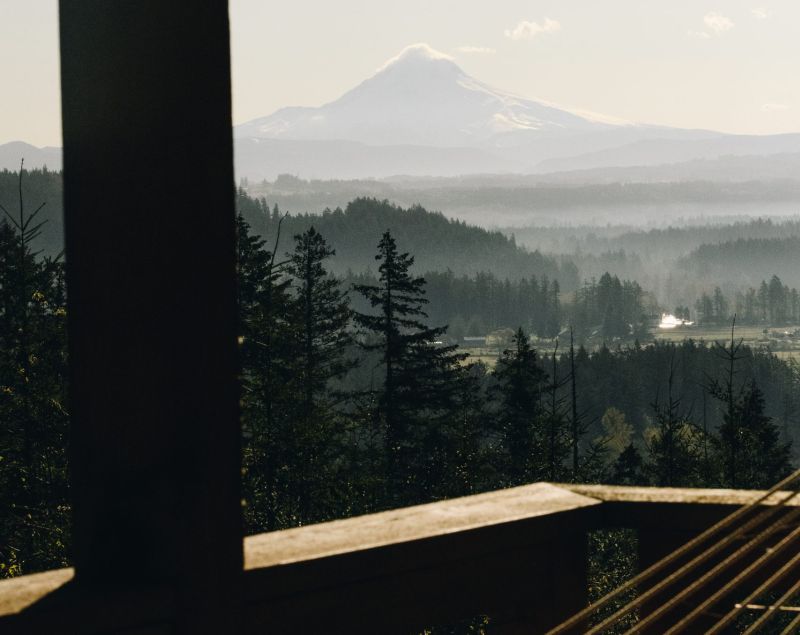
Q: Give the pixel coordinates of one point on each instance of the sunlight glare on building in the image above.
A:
(669, 321)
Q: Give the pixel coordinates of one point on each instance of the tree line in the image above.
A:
(608, 308)
(519, 192)
(405, 419)
(772, 303)
(349, 410)
(437, 242)
(476, 305)
(752, 259)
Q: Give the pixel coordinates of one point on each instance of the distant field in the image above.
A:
(754, 336)
(784, 348)
(489, 356)
(750, 334)
(486, 355)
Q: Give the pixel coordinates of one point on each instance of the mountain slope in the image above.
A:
(422, 97)
(436, 242)
(421, 102)
(420, 114)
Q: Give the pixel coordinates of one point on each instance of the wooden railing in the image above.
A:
(516, 555)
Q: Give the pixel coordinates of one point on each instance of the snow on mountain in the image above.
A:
(419, 103)
(422, 97)
(420, 114)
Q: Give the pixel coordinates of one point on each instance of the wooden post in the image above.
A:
(150, 252)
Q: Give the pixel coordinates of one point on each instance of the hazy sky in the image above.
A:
(728, 65)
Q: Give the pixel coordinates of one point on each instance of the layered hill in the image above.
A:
(12, 153)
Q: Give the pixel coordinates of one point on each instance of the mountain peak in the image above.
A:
(422, 97)
(416, 53)
(419, 51)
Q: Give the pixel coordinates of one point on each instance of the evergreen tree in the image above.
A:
(323, 315)
(268, 357)
(627, 468)
(34, 497)
(471, 471)
(673, 444)
(777, 296)
(761, 458)
(725, 391)
(674, 458)
(705, 309)
(763, 300)
(577, 421)
(553, 319)
(610, 298)
(721, 310)
(518, 400)
(556, 425)
(420, 377)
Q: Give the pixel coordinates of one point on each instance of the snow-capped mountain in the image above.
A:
(422, 97)
(421, 114)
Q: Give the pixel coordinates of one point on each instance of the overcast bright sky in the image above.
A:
(728, 65)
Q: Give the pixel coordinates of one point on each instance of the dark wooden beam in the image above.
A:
(149, 223)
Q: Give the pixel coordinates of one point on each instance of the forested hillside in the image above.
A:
(353, 400)
(634, 379)
(438, 243)
(655, 244)
(683, 264)
(678, 264)
(748, 260)
(522, 195)
(608, 309)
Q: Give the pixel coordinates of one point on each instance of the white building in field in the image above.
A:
(669, 321)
